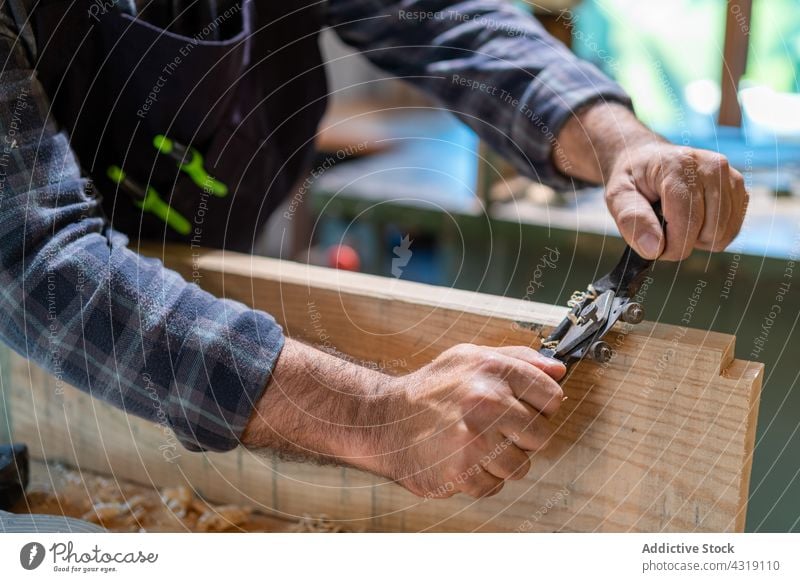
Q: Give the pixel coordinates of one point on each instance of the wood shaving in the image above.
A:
(121, 506)
(319, 524)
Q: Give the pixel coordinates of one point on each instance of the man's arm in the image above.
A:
(703, 199)
(557, 118)
(77, 301)
(486, 61)
(463, 423)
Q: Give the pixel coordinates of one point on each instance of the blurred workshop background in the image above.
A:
(402, 189)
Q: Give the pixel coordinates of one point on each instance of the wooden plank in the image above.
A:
(660, 439)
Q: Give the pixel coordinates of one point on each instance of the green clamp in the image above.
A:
(150, 201)
(194, 168)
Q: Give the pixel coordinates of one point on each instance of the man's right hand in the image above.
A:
(463, 423)
(466, 421)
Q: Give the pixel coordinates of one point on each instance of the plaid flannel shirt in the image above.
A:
(77, 301)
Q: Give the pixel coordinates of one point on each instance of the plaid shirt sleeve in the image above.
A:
(77, 301)
(491, 64)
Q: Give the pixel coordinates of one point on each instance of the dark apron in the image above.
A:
(250, 104)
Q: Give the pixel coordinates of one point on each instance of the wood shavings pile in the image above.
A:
(319, 524)
(122, 506)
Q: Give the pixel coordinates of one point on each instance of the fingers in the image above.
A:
(549, 366)
(482, 484)
(739, 200)
(715, 177)
(522, 421)
(511, 463)
(635, 218)
(525, 427)
(683, 204)
(707, 201)
(528, 383)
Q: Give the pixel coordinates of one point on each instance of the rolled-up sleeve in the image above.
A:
(491, 64)
(77, 301)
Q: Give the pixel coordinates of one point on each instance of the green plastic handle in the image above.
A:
(116, 174)
(155, 205)
(195, 168)
(162, 143)
(152, 201)
(197, 172)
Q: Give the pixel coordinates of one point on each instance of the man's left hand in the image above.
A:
(702, 198)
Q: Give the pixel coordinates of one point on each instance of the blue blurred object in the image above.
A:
(742, 151)
(412, 257)
(432, 162)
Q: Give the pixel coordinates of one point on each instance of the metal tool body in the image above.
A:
(595, 311)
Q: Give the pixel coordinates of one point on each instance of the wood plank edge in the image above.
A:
(754, 372)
